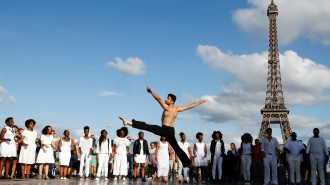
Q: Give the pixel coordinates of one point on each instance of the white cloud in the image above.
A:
(297, 18)
(12, 99)
(304, 82)
(110, 93)
(3, 93)
(132, 66)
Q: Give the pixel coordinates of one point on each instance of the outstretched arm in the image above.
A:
(160, 101)
(191, 106)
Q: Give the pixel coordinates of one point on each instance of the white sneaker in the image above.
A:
(106, 179)
(124, 179)
(62, 178)
(97, 179)
(115, 179)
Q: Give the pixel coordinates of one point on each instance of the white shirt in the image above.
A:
(270, 147)
(105, 147)
(85, 144)
(317, 146)
(217, 148)
(184, 146)
(295, 147)
(246, 148)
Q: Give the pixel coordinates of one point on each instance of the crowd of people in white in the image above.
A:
(23, 155)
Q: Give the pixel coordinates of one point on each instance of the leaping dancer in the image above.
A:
(169, 115)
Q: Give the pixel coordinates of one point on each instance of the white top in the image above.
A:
(85, 144)
(121, 144)
(246, 149)
(270, 147)
(47, 140)
(217, 151)
(30, 137)
(317, 146)
(105, 147)
(184, 146)
(295, 147)
(66, 146)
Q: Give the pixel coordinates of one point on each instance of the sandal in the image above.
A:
(46, 177)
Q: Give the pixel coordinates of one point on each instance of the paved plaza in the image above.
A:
(101, 182)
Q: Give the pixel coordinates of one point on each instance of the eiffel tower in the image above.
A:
(275, 111)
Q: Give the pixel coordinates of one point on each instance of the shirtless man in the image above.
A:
(169, 115)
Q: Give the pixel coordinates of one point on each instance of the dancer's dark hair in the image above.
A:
(268, 129)
(173, 97)
(247, 137)
(198, 135)
(7, 120)
(122, 129)
(45, 130)
(215, 132)
(181, 134)
(27, 122)
(86, 128)
(102, 137)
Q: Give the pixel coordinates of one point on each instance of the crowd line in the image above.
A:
(25, 155)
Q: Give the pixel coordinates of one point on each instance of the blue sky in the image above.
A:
(55, 63)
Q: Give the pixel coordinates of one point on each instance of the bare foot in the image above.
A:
(125, 122)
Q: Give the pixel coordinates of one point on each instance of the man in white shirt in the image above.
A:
(270, 149)
(294, 149)
(185, 146)
(317, 149)
(85, 147)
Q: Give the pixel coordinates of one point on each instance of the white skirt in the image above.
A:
(46, 155)
(8, 149)
(27, 154)
(140, 159)
(64, 158)
(200, 160)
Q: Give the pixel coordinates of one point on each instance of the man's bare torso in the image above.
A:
(169, 116)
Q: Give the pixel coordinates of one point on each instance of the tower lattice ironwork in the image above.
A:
(275, 111)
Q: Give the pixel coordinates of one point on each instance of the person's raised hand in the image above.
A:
(149, 90)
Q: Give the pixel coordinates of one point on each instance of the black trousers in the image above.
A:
(167, 132)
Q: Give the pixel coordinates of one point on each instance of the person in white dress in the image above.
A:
(163, 156)
(65, 145)
(200, 154)
(46, 153)
(120, 149)
(86, 148)
(8, 146)
(103, 155)
(27, 156)
(185, 146)
(246, 155)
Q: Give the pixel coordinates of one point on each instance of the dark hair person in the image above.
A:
(7, 146)
(27, 155)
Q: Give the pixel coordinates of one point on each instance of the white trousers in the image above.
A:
(103, 165)
(317, 161)
(180, 169)
(83, 157)
(120, 164)
(270, 161)
(294, 165)
(217, 162)
(246, 165)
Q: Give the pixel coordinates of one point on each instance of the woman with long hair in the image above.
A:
(246, 155)
(103, 155)
(46, 153)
